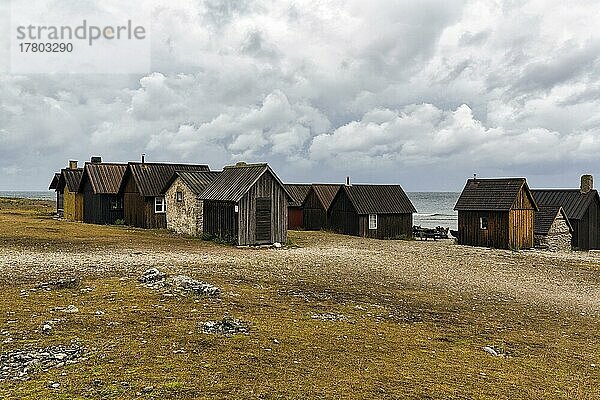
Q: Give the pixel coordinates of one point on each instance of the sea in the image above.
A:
(433, 208)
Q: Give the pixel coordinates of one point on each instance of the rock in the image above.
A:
(63, 283)
(152, 275)
(71, 309)
(490, 351)
(147, 389)
(47, 329)
(19, 364)
(54, 385)
(277, 245)
(227, 326)
(192, 285)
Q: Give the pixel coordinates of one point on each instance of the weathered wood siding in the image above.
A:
(314, 215)
(521, 229)
(342, 217)
(97, 207)
(471, 234)
(266, 187)
(139, 210)
(389, 226)
(587, 229)
(220, 220)
(183, 216)
(73, 205)
(60, 203)
(295, 218)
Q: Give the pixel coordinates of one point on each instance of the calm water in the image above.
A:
(434, 208)
(45, 195)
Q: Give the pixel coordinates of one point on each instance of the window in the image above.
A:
(160, 207)
(372, 221)
(483, 222)
(179, 197)
(116, 203)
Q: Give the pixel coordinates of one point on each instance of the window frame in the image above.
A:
(482, 226)
(373, 222)
(179, 196)
(163, 205)
(116, 203)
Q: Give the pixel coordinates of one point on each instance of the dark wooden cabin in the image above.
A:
(298, 191)
(142, 190)
(247, 204)
(59, 194)
(497, 213)
(582, 207)
(102, 203)
(374, 211)
(316, 205)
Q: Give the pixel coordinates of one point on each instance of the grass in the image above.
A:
(395, 341)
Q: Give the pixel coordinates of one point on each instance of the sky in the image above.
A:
(420, 93)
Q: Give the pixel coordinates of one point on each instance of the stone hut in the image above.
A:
(552, 229)
(184, 207)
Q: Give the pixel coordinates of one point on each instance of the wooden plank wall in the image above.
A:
(139, 211)
(266, 186)
(521, 229)
(314, 215)
(73, 205)
(587, 233)
(295, 218)
(389, 226)
(342, 218)
(471, 234)
(97, 207)
(220, 220)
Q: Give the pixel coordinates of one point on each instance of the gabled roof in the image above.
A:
(497, 194)
(105, 178)
(54, 182)
(572, 201)
(235, 181)
(545, 217)
(298, 191)
(71, 178)
(151, 178)
(378, 199)
(326, 192)
(197, 181)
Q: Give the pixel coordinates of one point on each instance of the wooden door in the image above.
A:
(263, 220)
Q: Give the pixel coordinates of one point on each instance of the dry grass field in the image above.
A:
(330, 316)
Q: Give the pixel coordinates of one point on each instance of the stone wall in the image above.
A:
(558, 238)
(183, 216)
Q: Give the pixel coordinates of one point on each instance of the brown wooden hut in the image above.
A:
(551, 228)
(185, 209)
(142, 191)
(496, 213)
(374, 211)
(298, 191)
(68, 184)
(316, 205)
(102, 203)
(59, 194)
(582, 207)
(247, 204)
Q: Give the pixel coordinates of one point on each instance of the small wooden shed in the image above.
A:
(298, 191)
(316, 205)
(184, 207)
(59, 194)
(102, 203)
(142, 190)
(497, 213)
(247, 204)
(551, 229)
(582, 207)
(68, 184)
(374, 211)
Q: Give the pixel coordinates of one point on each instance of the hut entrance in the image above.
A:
(263, 220)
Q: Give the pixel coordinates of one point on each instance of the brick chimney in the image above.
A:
(348, 181)
(587, 183)
(72, 164)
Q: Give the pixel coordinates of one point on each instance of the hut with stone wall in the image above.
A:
(552, 229)
(184, 207)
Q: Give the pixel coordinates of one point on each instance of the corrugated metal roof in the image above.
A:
(151, 178)
(298, 191)
(545, 216)
(490, 194)
(326, 193)
(235, 181)
(105, 178)
(379, 199)
(197, 181)
(572, 201)
(71, 178)
(54, 182)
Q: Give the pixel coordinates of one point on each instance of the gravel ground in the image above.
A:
(565, 281)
